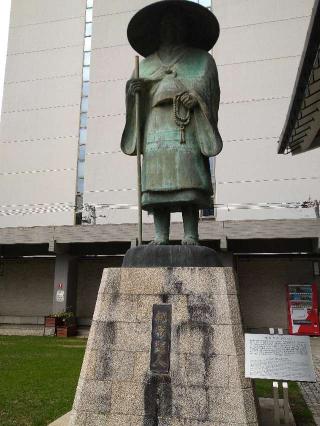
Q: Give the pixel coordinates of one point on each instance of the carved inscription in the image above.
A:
(161, 339)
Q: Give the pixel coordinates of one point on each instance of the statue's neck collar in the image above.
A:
(170, 54)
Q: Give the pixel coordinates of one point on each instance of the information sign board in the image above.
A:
(60, 296)
(278, 357)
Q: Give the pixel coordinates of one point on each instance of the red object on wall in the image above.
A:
(303, 316)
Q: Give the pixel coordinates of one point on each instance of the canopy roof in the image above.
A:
(301, 132)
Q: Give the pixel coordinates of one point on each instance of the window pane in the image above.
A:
(80, 185)
(84, 104)
(82, 152)
(80, 169)
(88, 29)
(89, 15)
(85, 88)
(83, 119)
(83, 135)
(87, 44)
(208, 212)
(89, 3)
(86, 73)
(205, 3)
(86, 58)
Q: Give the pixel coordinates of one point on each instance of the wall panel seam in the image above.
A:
(44, 50)
(252, 61)
(41, 108)
(43, 78)
(27, 172)
(46, 22)
(53, 138)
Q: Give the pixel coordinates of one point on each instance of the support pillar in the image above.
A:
(65, 283)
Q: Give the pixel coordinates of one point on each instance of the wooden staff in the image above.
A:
(137, 100)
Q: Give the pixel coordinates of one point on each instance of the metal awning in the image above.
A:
(301, 131)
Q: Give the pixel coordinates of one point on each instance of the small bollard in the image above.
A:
(275, 386)
(286, 403)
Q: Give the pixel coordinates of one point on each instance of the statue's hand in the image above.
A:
(188, 100)
(135, 86)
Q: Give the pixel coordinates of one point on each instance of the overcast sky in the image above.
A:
(4, 25)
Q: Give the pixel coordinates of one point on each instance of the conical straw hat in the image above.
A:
(144, 28)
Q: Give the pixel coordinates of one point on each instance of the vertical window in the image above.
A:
(205, 3)
(84, 108)
(87, 44)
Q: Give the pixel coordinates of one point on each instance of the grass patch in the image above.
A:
(39, 375)
(300, 410)
(38, 378)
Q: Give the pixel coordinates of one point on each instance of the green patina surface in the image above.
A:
(175, 172)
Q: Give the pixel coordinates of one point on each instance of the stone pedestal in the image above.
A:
(205, 385)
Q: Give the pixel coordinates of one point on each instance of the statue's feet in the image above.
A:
(190, 241)
(159, 242)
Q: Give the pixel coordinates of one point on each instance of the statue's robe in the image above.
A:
(174, 174)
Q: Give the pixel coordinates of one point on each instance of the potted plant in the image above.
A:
(52, 321)
(63, 324)
(67, 325)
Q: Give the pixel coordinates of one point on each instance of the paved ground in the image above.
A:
(62, 421)
(311, 391)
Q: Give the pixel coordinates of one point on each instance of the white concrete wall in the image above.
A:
(108, 172)
(40, 115)
(257, 55)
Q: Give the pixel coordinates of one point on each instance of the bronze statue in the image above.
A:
(180, 96)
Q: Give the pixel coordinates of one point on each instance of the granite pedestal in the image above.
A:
(205, 385)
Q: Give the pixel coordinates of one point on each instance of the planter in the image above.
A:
(66, 330)
(50, 322)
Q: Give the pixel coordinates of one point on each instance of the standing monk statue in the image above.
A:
(179, 102)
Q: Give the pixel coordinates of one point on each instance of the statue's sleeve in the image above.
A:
(207, 92)
(129, 135)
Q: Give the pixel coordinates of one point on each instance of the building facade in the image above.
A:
(68, 196)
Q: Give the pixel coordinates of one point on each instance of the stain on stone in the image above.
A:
(110, 333)
(207, 353)
(172, 284)
(178, 286)
(115, 295)
(104, 333)
(165, 298)
(157, 399)
(200, 309)
(114, 285)
(104, 367)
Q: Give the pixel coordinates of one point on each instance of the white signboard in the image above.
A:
(278, 357)
(60, 296)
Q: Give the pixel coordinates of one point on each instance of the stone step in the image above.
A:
(21, 330)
